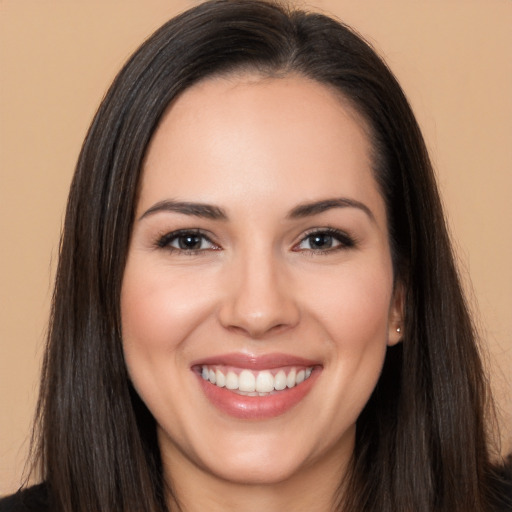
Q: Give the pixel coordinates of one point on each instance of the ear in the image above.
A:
(396, 315)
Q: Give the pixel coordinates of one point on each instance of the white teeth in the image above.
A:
(231, 380)
(255, 383)
(280, 380)
(220, 379)
(290, 380)
(246, 381)
(264, 382)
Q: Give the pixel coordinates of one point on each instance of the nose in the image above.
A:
(259, 298)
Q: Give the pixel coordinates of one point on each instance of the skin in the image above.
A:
(257, 148)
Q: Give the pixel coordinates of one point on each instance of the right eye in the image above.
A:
(186, 241)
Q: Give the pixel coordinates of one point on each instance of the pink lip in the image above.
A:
(257, 407)
(254, 362)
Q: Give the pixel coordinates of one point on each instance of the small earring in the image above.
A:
(398, 330)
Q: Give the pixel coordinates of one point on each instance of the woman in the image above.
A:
(248, 311)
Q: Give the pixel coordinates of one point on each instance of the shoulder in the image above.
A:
(33, 499)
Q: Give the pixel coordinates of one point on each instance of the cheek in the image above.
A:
(157, 314)
(155, 305)
(353, 310)
(354, 303)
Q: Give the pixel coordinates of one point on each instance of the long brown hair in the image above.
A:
(421, 440)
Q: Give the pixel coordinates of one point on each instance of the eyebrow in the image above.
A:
(213, 212)
(317, 207)
(206, 211)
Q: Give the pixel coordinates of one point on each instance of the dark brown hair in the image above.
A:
(421, 443)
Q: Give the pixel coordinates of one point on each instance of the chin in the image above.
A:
(260, 472)
(265, 459)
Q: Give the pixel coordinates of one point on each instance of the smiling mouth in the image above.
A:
(255, 383)
(256, 387)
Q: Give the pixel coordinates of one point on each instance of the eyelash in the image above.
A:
(344, 240)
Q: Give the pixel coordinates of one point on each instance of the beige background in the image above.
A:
(57, 58)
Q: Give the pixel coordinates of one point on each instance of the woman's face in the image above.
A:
(257, 300)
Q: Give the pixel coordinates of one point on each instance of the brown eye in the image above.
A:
(325, 241)
(186, 241)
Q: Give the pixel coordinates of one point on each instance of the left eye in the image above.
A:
(324, 241)
(186, 241)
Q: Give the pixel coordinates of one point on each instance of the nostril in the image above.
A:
(258, 333)
(278, 328)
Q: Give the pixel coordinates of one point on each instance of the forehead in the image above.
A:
(226, 136)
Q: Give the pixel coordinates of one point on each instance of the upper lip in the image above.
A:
(256, 362)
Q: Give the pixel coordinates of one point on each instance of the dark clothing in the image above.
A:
(501, 486)
(33, 499)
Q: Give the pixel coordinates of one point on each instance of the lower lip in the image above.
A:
(257, 407)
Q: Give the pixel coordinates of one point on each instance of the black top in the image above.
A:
(33, 499)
